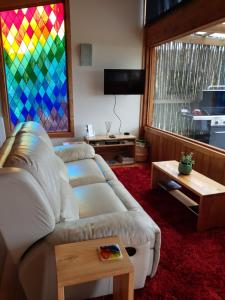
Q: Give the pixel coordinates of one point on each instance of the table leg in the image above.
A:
(123, 287)
(211, 212)
(155, 177)
(61, 295)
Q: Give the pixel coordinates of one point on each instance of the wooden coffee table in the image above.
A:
(77, 263)
(210, 194)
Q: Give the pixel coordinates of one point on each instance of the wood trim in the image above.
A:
(144, 98)
(16, 4)
(3, 90)
(69, 66)
(151, 86)
(61, 134)
(194, 16)
(146, 112)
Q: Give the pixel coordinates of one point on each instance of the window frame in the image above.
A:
(186, 20)
(18, 4)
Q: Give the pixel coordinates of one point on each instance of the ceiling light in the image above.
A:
(201, 33)
(217, 35)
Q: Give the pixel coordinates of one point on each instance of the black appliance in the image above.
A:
(124, 82)
(213, 108)
(213, 102)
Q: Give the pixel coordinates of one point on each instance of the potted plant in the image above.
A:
(186, 162)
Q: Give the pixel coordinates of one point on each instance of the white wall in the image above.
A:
(113, 27)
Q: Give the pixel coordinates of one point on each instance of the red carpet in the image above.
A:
(192, 264)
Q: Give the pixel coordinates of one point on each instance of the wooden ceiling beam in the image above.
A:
(194, 16)
(220, 28)
(194, 39)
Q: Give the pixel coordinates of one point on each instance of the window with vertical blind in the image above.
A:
(35, 66)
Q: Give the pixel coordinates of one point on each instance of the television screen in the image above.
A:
(214, 101)
(124, 82)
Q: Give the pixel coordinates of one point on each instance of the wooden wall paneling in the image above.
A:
(195, 15)
(168, 146)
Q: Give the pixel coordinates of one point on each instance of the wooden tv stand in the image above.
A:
(111, 148)
(210, 194)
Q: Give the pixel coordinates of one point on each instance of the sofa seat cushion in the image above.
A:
(83, 172)
(97, 199)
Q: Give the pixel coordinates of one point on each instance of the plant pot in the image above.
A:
(184, 168)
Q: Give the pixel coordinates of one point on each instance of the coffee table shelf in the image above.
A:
(210, 206)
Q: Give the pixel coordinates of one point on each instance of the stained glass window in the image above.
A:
(35, 66)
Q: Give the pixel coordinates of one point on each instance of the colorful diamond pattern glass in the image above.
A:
(35, 65)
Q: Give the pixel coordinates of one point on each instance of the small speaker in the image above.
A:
(85, 55)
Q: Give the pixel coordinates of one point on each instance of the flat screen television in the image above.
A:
(213, 102)
(124, 82)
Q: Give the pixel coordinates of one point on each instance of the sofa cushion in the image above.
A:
(63, 174)
(69, 210)
(29, 152)
(129, 202)
(84, 171)
(104, 167)
(36, 129)
(73, 152)
(97, 199)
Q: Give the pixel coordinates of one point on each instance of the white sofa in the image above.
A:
(45, 201)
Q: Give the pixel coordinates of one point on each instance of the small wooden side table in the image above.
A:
(78, 263)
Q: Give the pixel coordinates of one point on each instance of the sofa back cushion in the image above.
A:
(36, 129)
(74, 152)
(31, 153)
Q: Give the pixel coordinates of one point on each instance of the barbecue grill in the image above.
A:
(211, 113)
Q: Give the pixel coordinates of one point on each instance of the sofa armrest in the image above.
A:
(133, 227)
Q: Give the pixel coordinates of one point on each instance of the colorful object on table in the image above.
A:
(35, 65)
(109, 252)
